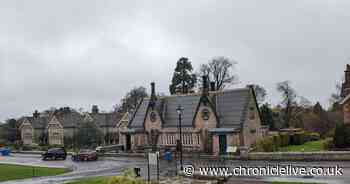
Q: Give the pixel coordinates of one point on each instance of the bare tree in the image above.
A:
(304, 102)
(220, 71)
(336, 97)
(260, 93)
(288, 100)
(131, 99)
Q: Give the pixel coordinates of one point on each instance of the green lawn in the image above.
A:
(290, 183)
(307, 147)
(14, 172)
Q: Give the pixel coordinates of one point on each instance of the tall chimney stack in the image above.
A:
(94, 109)
(36, 114)
(212, 86)
(153, 95)
(205, 85)
(153, 90)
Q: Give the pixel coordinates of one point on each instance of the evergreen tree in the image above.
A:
(184, 80)
(339, 136)
(88, 135)
(267, 116)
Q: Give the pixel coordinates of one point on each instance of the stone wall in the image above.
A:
(251, 130)
(346, 111)
(301, 156)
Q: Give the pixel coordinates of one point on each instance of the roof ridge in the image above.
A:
(199, 93)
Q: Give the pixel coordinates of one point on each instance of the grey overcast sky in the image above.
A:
(78, 53)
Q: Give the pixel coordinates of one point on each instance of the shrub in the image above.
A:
(341, 136)
(30, 147)
(312, 136)
(266, 145)
(328, 144)
(127, 178)
(277, 142)
(124, 180)
(284, 139)
(298, 138)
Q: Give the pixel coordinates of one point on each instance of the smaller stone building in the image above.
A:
(345, 94)
(61, 124)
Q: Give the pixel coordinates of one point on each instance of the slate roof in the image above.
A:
(231, 108)
(37, 123)
(70, 119)
(106, 119)
(139, 116)
(188, 103)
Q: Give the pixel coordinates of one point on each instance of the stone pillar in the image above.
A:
(346, 112)
(216, 145)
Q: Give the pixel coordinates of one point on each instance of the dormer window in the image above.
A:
(205, 114)
(153, 117)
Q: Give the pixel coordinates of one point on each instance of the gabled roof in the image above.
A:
(230, 107)
(37, 123)
(70, 119)
(124, 121)
(188, 103)
(140, 114)
(106, 119)
(344, 100)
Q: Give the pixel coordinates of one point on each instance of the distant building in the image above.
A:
(60, 124)
(212, 121)
(345, 94)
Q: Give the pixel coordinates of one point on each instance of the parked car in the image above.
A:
(55, 154)
(110, 148)
(85, 155)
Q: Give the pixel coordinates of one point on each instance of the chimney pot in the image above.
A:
(205, 85)
(95, 109)
(36, 114)
(153, 90)
(212, 86)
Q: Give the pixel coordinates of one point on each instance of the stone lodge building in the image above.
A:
(345, 95)
(62, 124)
(211, 121)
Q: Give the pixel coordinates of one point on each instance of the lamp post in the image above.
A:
(179, 111)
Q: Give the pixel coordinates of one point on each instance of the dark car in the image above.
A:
(55, 154)
(85, 155)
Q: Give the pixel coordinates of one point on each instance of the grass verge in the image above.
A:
(312, 146)
(292, 183)
(15, 172)
(97, 180)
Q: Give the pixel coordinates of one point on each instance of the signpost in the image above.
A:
(153, 159)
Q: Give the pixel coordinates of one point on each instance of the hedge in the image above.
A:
(273, 143)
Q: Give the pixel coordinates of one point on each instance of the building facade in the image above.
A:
(211, 120)
(59, 125)
(345, 95)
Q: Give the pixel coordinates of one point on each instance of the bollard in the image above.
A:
(137, 171)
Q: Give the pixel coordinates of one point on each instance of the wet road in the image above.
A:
(115, 166)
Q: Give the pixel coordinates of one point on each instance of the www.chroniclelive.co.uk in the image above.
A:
(270, 170)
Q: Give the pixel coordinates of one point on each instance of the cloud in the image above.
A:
(80, 53)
